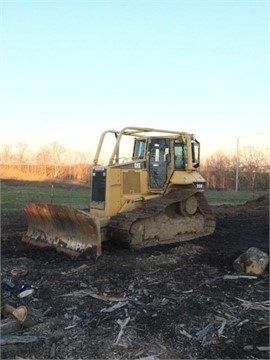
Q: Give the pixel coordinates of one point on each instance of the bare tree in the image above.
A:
(217, 170)
(71, 158)
(56, 153)
(6, 154)
(253, 161)
(21, 154)
(43, 159)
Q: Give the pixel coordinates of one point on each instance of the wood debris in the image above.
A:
(17, 339)
(185, 333)
(114, 307)
(204, 331)
(17, 318)
(88, 292)
(8, 282)
(248, 305)
(263, 348)
(76, 270)
(221, 329)
(18, 272)
(235, 277)
(122, 324)
(253, 261)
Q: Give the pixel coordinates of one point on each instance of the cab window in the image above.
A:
(139, 149)
(180, 155)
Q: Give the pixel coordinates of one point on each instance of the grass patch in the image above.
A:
(15, 197)
(231, 197)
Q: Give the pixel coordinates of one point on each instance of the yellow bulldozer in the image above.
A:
(150, 196)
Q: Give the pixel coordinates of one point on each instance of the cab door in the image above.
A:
(159, 153)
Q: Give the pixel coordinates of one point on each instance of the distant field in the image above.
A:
(15, 195)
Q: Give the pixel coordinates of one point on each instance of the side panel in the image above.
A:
(185, 178)
(115, 188)
(131, 182)
(106, 191)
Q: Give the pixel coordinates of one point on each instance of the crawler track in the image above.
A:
(163, 220)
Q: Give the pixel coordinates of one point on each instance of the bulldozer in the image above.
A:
(151, 195)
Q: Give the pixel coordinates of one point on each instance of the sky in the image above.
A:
(72, 69)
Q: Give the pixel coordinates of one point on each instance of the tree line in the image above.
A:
(249, 168)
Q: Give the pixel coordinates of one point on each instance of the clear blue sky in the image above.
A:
(71, 69)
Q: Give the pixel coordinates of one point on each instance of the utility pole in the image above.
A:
(237, 165)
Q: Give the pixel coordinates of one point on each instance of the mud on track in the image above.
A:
(171, 301)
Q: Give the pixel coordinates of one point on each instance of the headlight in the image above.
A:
(200, 185)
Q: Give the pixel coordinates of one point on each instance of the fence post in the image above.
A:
(52, 193)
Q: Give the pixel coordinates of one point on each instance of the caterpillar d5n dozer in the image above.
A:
(153, 195)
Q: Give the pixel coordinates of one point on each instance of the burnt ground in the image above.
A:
(171, 302)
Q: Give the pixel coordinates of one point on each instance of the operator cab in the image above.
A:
(165, 155)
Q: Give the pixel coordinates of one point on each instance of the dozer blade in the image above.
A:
(69, 230)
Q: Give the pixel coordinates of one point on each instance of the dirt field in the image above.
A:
(169, 302)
